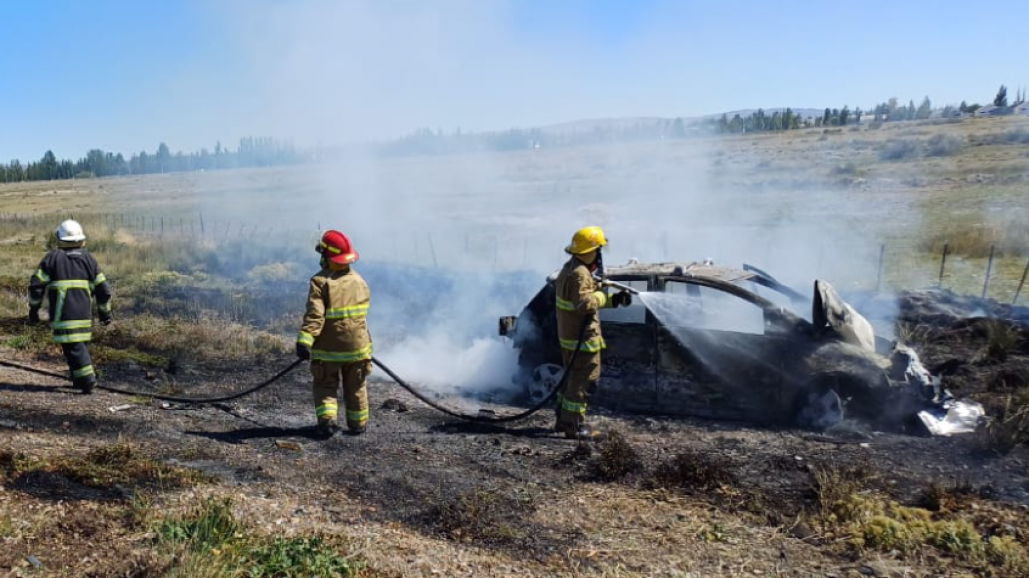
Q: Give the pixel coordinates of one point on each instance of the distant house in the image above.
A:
(986, 110)
(991, 110)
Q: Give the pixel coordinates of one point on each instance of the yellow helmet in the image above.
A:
(585, 240)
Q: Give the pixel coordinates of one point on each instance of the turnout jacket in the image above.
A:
(70, 278)
(335, 325)
(579, 298)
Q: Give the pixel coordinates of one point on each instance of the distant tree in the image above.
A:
(925, 109)
(679, 129)
(15, 171)
(844, 115)
(826, 117)
(48, 166)
(857, 115)
(1002, 97)
(163, 158)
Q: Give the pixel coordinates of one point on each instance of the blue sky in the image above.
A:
(126, 75)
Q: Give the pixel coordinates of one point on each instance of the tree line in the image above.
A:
(251, 152)
(264, 151)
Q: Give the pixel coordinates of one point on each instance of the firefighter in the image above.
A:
(580, 297)
(70, 277)
(335, 337)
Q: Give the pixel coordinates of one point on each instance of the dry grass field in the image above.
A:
(210, 272)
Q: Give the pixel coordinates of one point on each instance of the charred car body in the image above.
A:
(719, 342)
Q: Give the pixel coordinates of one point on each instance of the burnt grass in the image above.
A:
(493, 487)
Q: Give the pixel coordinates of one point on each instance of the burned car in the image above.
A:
(720, 342)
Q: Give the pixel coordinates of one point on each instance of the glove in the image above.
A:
(303, 351)
(105, 318)
(621, 299)
(33, 315)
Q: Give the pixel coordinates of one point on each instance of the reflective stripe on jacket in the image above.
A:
(579, 297)
(70, 278)
(335, 325)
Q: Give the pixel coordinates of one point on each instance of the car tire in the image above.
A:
(544, 380)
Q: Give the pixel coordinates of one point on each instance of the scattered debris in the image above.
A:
(288, 445)
(394, 404)
(953, 417)
(117, 408)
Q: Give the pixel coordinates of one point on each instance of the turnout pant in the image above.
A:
(327, 378)
(79, 362)
(574, 397)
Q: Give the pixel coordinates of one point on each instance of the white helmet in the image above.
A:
(70, 231)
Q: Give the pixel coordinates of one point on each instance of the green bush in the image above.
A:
(300, 557)
(210, 525)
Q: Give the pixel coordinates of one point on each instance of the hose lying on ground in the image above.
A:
(491, 419)
(171, 398)
(465, 416)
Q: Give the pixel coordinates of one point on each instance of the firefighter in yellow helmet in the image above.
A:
(580, 297)
(335, 337)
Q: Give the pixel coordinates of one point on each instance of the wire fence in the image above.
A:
(474, 249)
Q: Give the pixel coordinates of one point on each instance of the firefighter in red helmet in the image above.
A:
(334, 336)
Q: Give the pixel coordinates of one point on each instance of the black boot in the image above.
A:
(326, 429)
(86, 384)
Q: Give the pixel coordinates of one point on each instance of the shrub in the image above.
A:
(1009, 428)
(1007, 237)
(481, 515)
(209, 525)
(1008, 556)
(295, 557)
(1002, 338)
(899, 149)
(694, 470)
(943, 145)
(617, 458)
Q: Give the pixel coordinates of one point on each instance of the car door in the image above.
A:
(629, 362)
(716, 356)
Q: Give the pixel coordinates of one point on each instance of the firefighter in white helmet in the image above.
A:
(580, 297)
(70, 278)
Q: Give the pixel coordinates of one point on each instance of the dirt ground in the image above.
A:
(425, 495)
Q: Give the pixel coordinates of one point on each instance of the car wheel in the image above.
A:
(545, 379)
(819, 408)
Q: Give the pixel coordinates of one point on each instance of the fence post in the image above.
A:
(989, 269)
(943, 263)
(879, 275)
(432, 249)
(1021, 283)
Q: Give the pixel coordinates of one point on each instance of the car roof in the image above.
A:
(704, 270)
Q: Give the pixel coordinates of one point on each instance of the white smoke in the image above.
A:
(447, 366)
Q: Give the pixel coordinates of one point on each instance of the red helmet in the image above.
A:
(336, 247)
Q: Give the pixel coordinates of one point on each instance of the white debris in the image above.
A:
(953, 417)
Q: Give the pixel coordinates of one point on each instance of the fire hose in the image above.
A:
(171, 398)
(410, 389)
